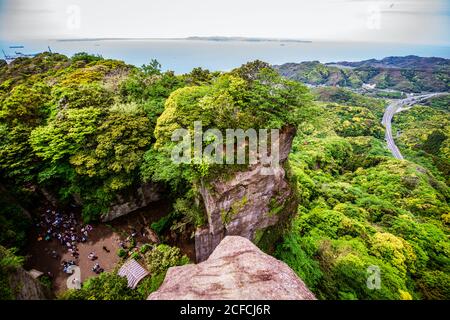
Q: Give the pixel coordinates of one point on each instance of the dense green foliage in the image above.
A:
(440, 102)
(14, 226)
(361, 208)
(252, 96)
(107, 286)
(160, 259)
(316, 73)
(407, 74)
(9, 262)
(90, 128)
(390, 94)
(424, 137)
(78, 127)
(349, 98)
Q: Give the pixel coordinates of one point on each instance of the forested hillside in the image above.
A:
(359, 207)
(424, 136)
(407, 74)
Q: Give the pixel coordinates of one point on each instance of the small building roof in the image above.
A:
(133, 271)
(35, 273)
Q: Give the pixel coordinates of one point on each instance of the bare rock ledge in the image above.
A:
(237, 270)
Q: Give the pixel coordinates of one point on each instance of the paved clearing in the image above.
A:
(108, 235)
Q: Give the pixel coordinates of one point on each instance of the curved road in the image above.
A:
(394, 108)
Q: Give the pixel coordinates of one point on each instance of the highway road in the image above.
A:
(394, 108)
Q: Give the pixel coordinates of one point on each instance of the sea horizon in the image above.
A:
(181, 55)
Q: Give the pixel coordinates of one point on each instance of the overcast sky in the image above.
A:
(405, 21)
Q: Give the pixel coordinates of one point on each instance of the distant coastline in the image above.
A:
(212, 38)
(181, 55)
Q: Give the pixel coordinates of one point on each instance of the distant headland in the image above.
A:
(211, 38)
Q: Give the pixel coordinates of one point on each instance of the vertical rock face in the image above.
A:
(142, 197)
(247, 202)
(236, 270)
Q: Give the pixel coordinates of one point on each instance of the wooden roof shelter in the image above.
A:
(134, 273)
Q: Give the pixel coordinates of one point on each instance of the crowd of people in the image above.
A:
(65, 229)
(67, 264)
(97, 269)
(68, 232)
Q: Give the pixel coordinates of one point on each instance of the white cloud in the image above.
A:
(410, 21)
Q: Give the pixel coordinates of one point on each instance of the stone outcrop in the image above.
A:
(49, 196)
(236, 270)
(125, 202)
(8, 197)
(245, 203)
(140, 198)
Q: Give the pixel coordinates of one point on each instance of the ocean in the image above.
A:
(182, 56)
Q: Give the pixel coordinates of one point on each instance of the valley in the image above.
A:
(359, 184)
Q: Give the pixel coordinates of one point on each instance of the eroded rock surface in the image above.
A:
(245, 203)
(25, 287)
(238, 270)
(141, 198)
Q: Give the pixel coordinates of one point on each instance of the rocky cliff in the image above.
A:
(246, 203)
(125, 204)
(237, 270)
(25, 287)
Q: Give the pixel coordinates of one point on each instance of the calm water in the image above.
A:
(183, 55)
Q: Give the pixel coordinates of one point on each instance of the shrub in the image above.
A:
(163, 257)
(121, 253)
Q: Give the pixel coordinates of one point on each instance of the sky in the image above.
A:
(399, 21)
